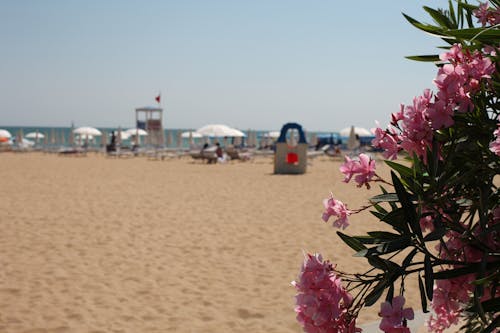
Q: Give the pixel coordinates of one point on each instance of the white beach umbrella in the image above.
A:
(360, 131)
(87, 131)
(236, 133)
(136, 131)
(124, 135)
(218, 130)
(5, 134)
(35, 135)
(273, 134)
(191, 134)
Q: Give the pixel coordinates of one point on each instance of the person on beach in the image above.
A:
(220, 154)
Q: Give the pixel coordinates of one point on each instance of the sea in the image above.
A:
(59, 136)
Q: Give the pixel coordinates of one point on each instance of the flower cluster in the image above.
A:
(457, 81)
(363, 169)
(337, 209)
(450, 296)
(487, 16)
(322, 301)
(394, 317)
(442, 210)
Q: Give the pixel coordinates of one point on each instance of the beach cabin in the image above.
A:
(150, 119)
(290, 156)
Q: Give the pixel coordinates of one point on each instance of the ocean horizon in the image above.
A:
(59, 135)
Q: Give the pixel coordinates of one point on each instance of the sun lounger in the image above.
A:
(206, 155)
(234, 154)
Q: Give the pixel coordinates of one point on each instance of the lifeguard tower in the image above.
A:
(150, 119)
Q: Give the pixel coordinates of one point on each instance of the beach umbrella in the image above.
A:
(219, 130)
(136, 131)
(273, 134)
(5, 134)
(34, 135)
(236, 133)
(360, 131)
(353, 141)
(191, 134)
(85, 130)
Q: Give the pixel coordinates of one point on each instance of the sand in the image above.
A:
(95, 244)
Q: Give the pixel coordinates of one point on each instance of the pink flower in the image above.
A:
(386, 141)
(338, 209)
(441, 115)
(495, 145)
(348, 168)
(482, 13)
(322, 302)
(394, 316)
(486, 16)
(450, 296)
(365, 170)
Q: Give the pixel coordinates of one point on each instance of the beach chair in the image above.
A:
(206, 155)
(234, 154)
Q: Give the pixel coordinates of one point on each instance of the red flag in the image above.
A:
(158, 98)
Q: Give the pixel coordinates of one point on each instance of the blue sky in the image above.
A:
(250, 64)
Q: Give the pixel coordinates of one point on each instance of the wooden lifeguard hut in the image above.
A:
(150, 119)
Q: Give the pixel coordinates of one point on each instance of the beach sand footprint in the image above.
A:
(245, 314)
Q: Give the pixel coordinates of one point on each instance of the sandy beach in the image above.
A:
(95, 244)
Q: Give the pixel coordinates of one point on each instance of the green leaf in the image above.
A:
(487, 279)
(366, 239)
(424, 58)
(491, 305)
(383, 235)
(378, 263)
(380, 209)
(386, 247)
(429, 277)
(439, 17)
(375, 294)
(452, 14)
(423, 297)
(470, 268)
(351, 242)
(409, 258)
(396, 219)
(389, 197)
(479, 34)
(378, 215)
(408, 207)
(390, 293)
(403, 170)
